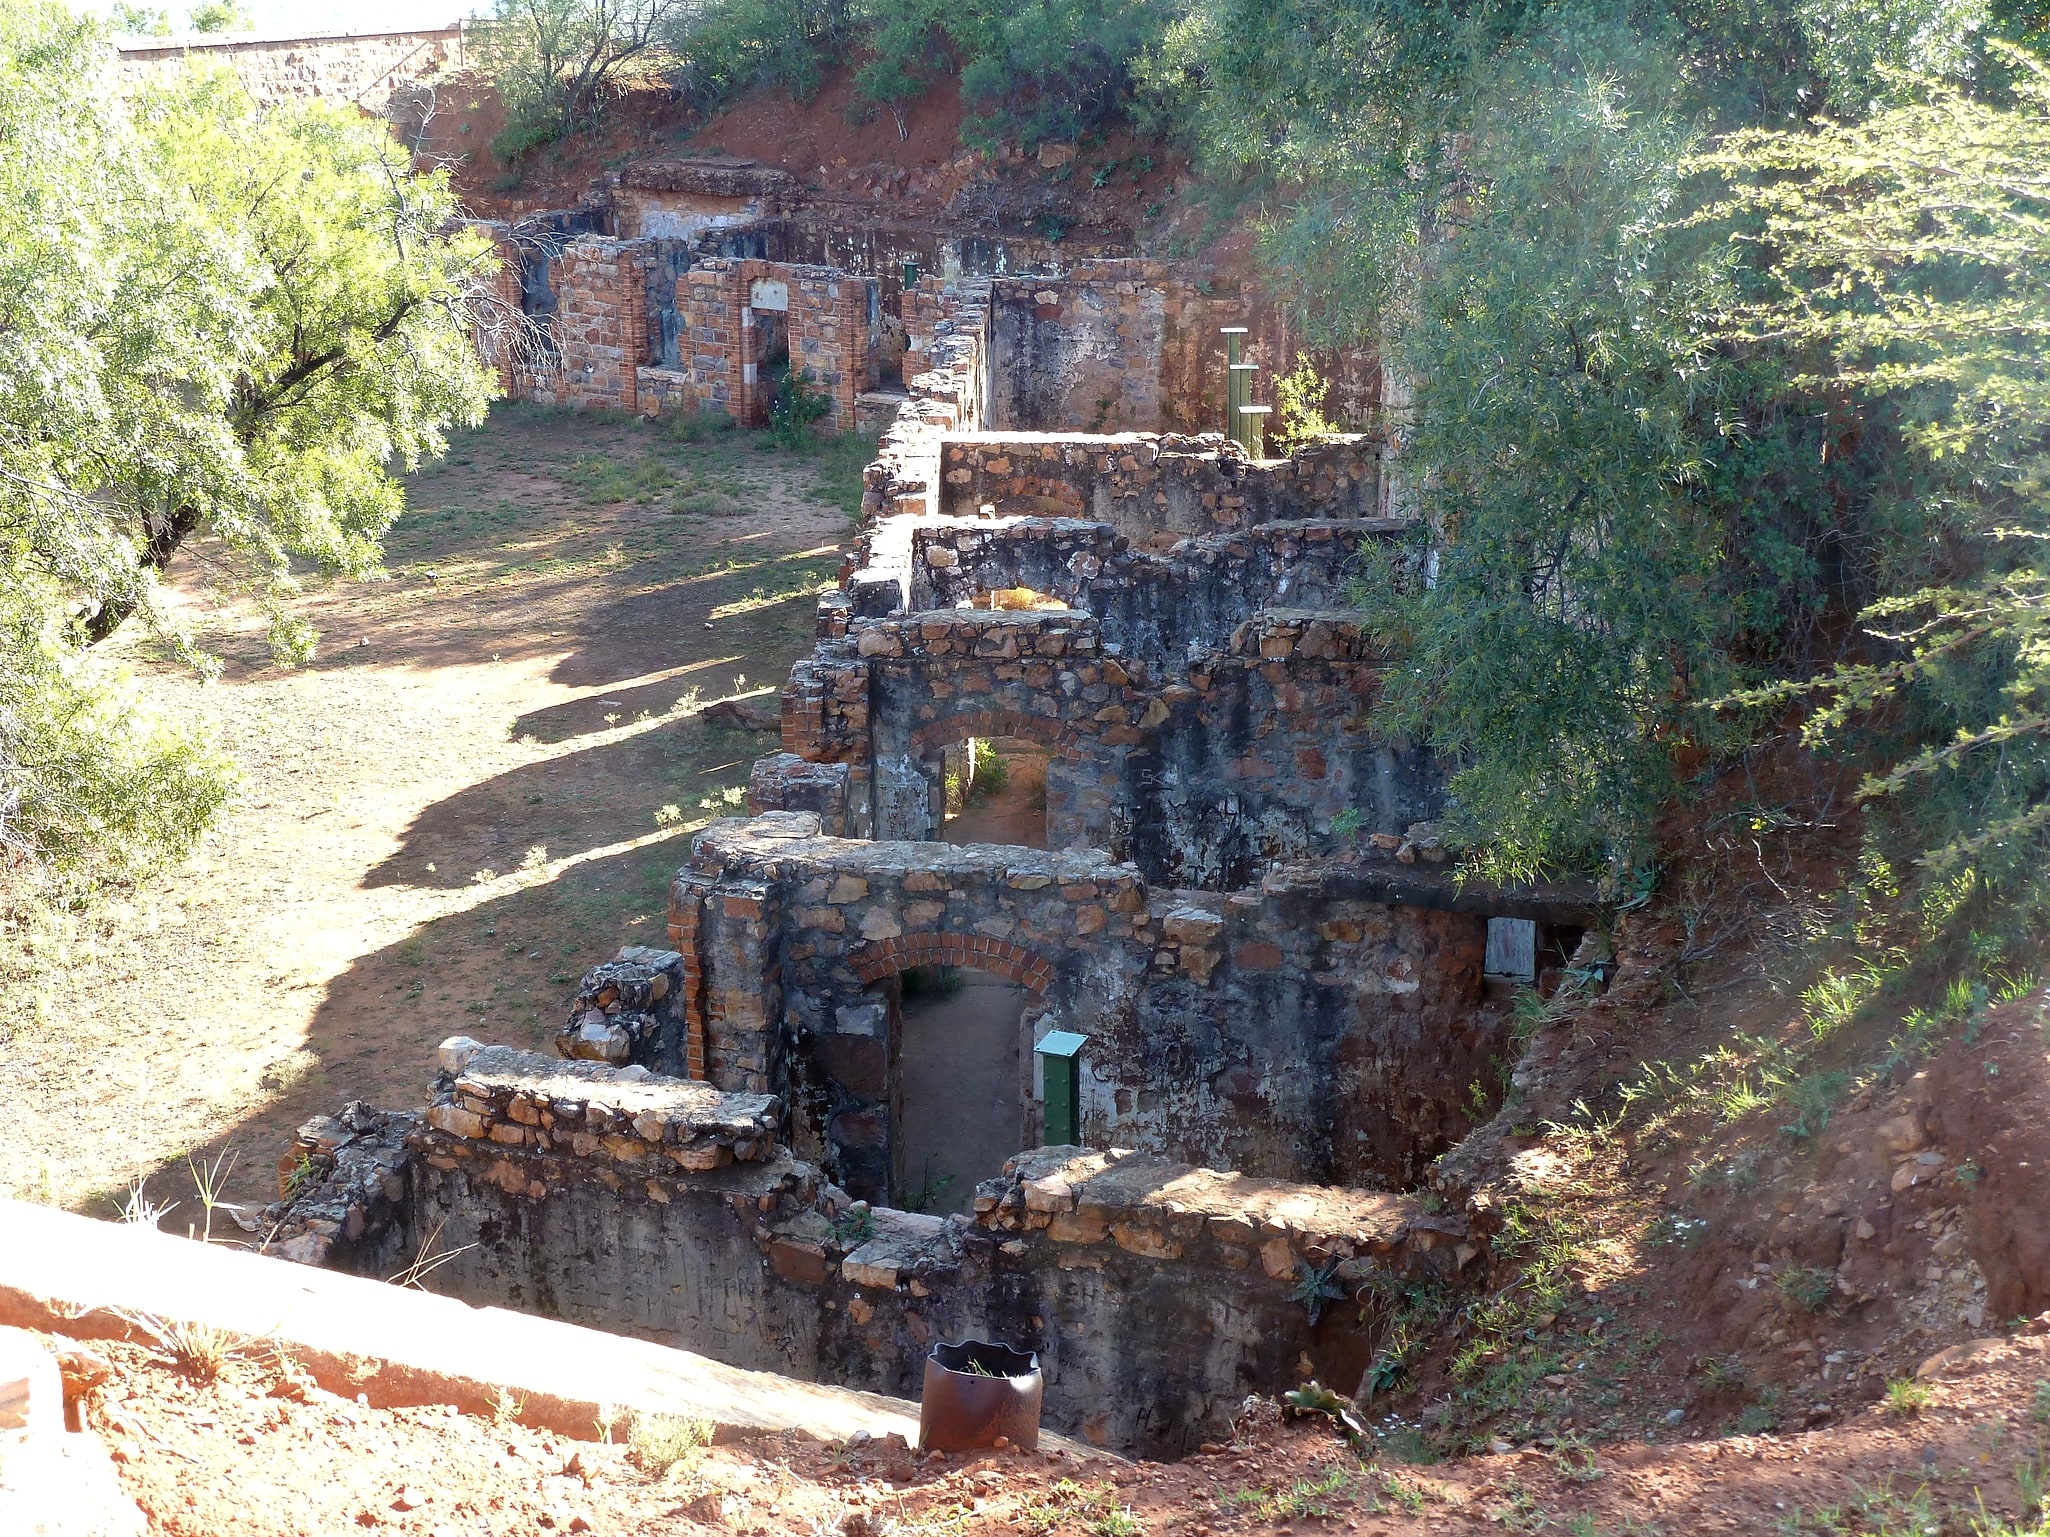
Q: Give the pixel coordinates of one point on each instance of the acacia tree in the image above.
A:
(345, 351)
(213, 320)
(1908, 256)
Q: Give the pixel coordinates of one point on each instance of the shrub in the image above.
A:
(553, 62)
(663, 1441)
(796, 406)
(1905, 1396)
(1806, 1290)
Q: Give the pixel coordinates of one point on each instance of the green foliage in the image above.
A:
(990, 771)
(664, 1441)
(554, 62)
(1040, 70)
(273, 315)
(140, 20)
(93, 789)
(1684, 383)
(797, 406)
(220, 16)
(1805, 1289)
(1909, 257)
(1299, 418)
(1576, 614)
(729, 46)
(1316, 1285)
(1906, 1395)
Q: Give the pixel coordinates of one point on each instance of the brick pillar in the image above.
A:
(687, 898)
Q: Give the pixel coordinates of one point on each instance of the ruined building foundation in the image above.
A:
(1226, 970)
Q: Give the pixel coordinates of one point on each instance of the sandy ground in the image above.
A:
(475, 793)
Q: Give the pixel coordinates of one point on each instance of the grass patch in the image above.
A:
(665, 1441)
(1806, 1290)
(1314, 1498)
(1905, 1396)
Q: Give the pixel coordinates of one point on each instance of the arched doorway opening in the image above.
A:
(960, 1111)
(995, 792)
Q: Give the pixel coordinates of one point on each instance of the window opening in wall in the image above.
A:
(1512, 949)
(996, 792)
(1018, 600)
(962, 1110)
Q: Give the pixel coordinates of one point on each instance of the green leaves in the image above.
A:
(1906, 260)
(214, 321)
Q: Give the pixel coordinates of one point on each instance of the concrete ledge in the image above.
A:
(69, 1274)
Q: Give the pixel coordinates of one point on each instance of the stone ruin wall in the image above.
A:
(1110, 344)
(634, 326)
(1331, 1025)
(1156, 1295)
(1132, 344)
(362, 68)
(706, 1164)
(1207, 710)
(1157, 488)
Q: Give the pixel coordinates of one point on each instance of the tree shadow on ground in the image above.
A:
(542, 811)
(502, 971)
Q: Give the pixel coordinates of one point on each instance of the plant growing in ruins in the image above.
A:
(799, 404)
(1299, 418)
(201, 1350)
(1315, 1286)
(856, 1227)
(664, 1441)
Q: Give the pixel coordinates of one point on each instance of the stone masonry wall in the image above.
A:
(363, 68)
(1157, 1295)
(622, 335)
(1208, 710)
(1115, 345)
(1330, 1024)
(1157, 488)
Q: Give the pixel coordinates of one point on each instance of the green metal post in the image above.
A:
(1255, 430)
(1241, 398)
(1060, 1080)
(1234, 355)
(911, 274)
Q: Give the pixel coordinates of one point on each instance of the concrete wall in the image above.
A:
(362, 67)
(1157, 1295)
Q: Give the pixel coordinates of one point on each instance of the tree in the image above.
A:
(342, 347)
(141, 20)
(554, 61)
(213, 320)
(220, 16)
(1908, 255)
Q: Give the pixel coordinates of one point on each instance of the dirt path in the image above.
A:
(475, 793)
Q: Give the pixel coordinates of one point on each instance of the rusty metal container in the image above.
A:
(974, 1393)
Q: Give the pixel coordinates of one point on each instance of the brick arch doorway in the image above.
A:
(961, 1012)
